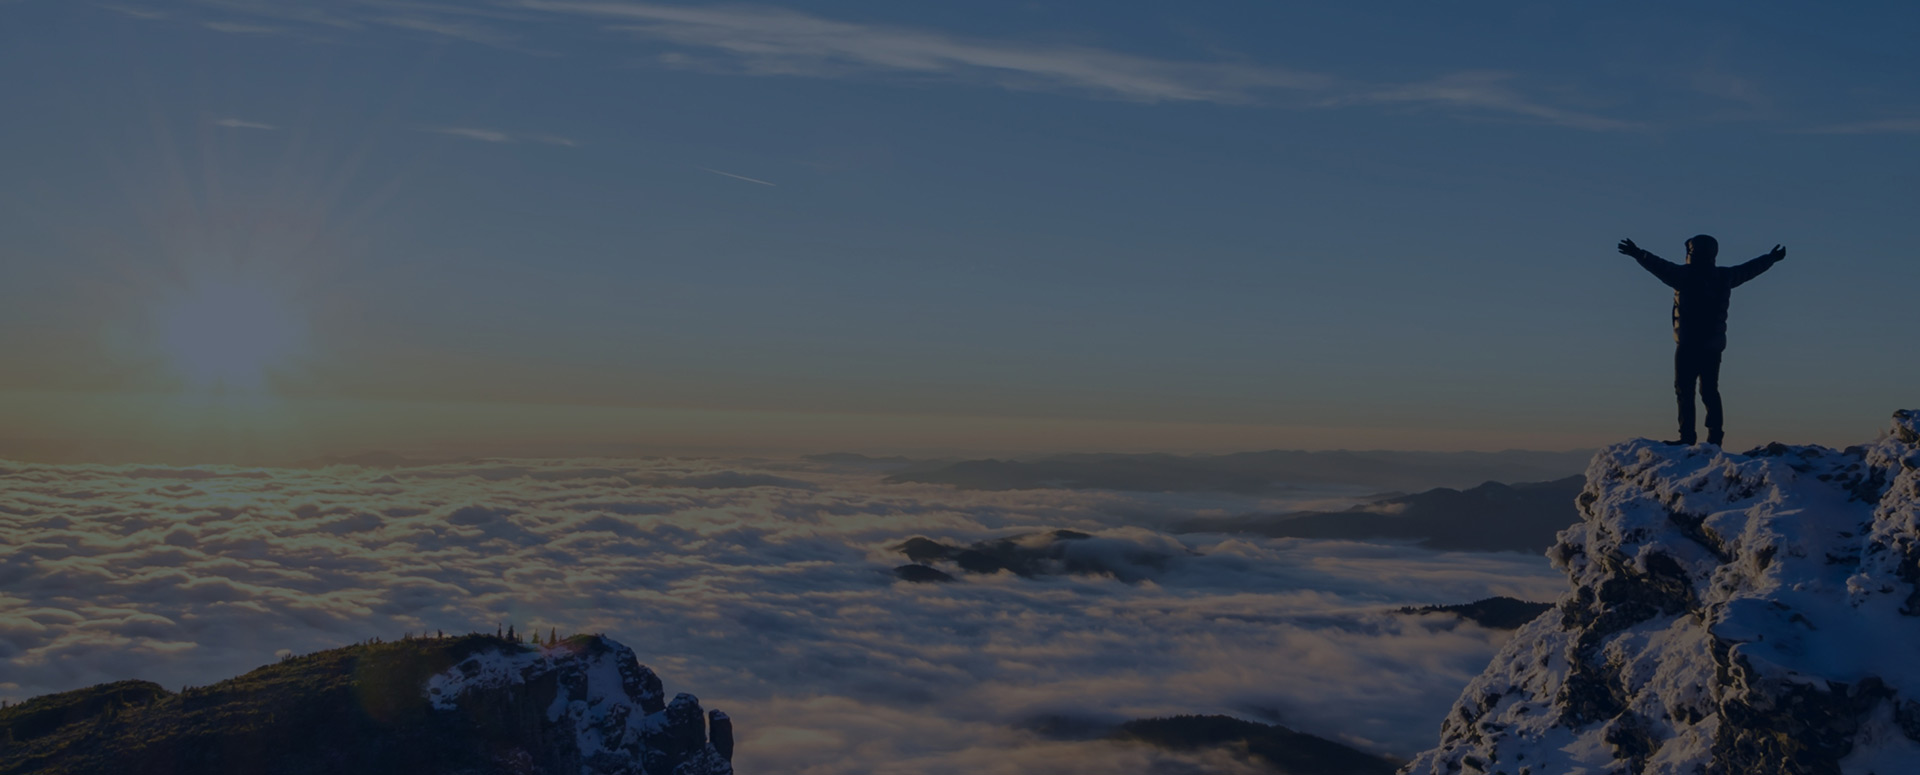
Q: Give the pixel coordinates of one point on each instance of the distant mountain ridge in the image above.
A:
(1249, 473)
(1048, 553)
(1493, 613)
(1492, 517)
(472, 705)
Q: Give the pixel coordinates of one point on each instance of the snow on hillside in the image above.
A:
(610, 702)
(1755, 613)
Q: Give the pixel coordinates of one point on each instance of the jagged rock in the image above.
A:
(473, 705)
(599, 692)
(720, 733)
(1753, 614)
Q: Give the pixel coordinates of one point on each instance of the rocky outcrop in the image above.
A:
(594, 708)
(472, 705)
(1748, 613)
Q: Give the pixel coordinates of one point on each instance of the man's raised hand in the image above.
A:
(1627, 248)
(1779, 253)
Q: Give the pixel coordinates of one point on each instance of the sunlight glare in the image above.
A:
(229, 334)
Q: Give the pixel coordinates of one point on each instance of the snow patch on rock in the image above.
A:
(1728, 613)
(601, 698)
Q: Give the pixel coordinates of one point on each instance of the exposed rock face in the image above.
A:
(466, 705)
(1755, 613)
(600, 711)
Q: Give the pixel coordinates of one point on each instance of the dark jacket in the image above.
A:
(1700, 295)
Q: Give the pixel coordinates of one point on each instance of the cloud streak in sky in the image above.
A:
(497, 136)
(1879, 127)
(1484, 91)
(235, 123)
(765, 41)
(768, 41)
(459, 30)
(736, 177)
(761, 587)
(237, 28)
(137, 12)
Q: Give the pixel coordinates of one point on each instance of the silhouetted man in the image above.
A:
(1700, 295)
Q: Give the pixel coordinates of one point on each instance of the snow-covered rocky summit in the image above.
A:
(595, 707)
(1755, 613)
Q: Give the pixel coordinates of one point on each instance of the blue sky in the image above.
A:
(1083, 225)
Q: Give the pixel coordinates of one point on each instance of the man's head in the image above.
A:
(1701, 249)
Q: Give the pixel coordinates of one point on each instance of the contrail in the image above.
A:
(737, 177)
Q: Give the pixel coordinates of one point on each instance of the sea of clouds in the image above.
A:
(764, 587)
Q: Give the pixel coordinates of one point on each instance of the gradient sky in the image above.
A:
(239, 229)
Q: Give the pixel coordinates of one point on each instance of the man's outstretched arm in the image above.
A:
(1752, 269)
(1666, 270)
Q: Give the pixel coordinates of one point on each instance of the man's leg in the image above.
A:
(1709, 366)
(1685, 371)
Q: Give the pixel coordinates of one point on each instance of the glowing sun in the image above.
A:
(228, 333)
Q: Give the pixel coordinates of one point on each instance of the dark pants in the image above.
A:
(1698, 363)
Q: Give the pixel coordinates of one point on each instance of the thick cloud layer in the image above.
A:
(763, 587)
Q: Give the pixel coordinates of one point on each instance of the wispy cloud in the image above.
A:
(235, 123)
(1486, 91)
(497, 136)
(774, 41)
(483, 135)
(137, 12)
(315, 14)
(764, 41)
(237, 28)
(737, 177)
(1885, 126)
(459, 30)
(1715, 81)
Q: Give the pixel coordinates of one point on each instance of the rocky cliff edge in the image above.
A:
(1753, 613)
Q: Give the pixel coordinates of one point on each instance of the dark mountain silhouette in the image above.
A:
(1490, 517)
(921, 573)
(1271, 745)
(857, 459)
(1054, 552)
(474, 704)
(1494, 613)
(1249, 472)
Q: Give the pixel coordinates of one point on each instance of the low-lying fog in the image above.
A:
(766, 588)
